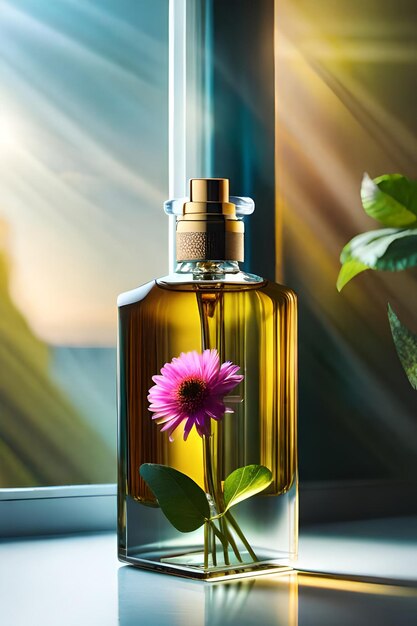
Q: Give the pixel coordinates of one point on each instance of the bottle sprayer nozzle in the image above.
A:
(209, 190)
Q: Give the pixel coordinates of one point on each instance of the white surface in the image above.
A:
(77, 581)
(385, 548)
(65, 581)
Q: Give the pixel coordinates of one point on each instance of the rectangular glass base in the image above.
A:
(190, 564)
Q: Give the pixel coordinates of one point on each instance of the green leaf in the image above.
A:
(349, 270)
(391, 199)
(406, 345)
(391, 249)
(182, 501)
(245, 482)
(362, 242)
(401, 253)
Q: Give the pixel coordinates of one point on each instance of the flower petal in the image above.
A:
(203, 427)
(215, 408)
(172, 424)
(222, 387)
(211, 365)
(188, 426)
(161, 419)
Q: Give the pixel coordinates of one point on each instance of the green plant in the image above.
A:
(390, 199)
(191, 392)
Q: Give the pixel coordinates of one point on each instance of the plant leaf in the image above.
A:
(400, 254)
(406, 345)
(245, 482)
(182, 501)
(355, 246)
(349, 270)
(391, 249)
(391, 199)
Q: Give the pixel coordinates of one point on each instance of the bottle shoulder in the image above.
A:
(163, 287)
(217, 280)
(279, 291)
(135, 295)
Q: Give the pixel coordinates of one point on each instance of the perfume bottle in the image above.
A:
(207, 401)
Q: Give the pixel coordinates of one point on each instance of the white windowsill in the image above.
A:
(65, 491)
(89, 508)
(78, 580)
(57, 510)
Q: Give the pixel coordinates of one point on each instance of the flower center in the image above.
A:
(192, 393)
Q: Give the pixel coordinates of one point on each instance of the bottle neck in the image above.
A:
(207, 270)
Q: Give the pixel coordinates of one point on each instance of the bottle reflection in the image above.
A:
(154, 599)
(287, 599)
(252, 601)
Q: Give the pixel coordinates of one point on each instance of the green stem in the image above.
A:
(232, 542)
(214, 494)
(228, 534)
(213, 547)
(206, 543)
(240, 534)
(220, 535)
(213, 484)
(225, 544)
(210, 539)
(208, 470)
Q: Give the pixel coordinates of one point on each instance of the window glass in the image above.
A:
(83, 174)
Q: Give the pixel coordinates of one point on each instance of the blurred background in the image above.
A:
(346, 86)
(292, 101)
(83, 175)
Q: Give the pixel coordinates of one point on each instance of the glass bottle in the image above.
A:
(208, 303)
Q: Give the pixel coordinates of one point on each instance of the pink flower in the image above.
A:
(191, 389)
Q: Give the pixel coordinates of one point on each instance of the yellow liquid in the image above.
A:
(252, 325)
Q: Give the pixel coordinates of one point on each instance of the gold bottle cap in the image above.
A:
(208, 229)
(209, 190)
